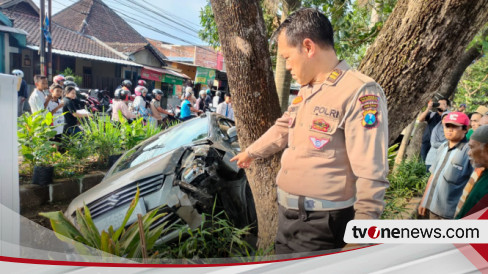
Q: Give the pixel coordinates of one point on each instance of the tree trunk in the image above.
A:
(283, 76)
(414, 52)
(448, 87)
(413, 149)
(403, 146)
(245, 47)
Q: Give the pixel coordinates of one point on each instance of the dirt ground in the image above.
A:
(33, 214)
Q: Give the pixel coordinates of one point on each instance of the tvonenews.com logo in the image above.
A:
(417, 231)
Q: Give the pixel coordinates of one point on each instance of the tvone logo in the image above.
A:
(373, 232)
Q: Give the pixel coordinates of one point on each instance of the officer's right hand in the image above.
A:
(243, 160)
(421, 210)
(430, 104)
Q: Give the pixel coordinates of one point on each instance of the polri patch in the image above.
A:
(297, 100)
(368, 99)
(320, 125)
(334, 75)
(370, 119)
(318, 143)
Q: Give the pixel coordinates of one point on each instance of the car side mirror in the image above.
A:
(232, 133)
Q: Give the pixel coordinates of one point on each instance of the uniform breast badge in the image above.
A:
(320, 125)
(318, 143)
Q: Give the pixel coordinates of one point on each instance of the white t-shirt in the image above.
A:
(215, 101)
(226, 110)
(58, 117)
(36, 100)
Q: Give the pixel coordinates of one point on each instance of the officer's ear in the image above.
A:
(309, 47)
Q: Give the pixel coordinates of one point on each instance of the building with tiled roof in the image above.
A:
(100, 65)
(95, 18)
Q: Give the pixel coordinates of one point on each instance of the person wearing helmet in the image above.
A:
(126, 84)
(200, 104)
(157, 108)
(208, 99)
(37, 100)
(141, 83)
(22, 93)
(140, 105)
(217, 99)
(192, 98)
(59, 79)
(187, 109)
(121, 96)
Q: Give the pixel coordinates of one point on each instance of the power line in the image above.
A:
(140, 23)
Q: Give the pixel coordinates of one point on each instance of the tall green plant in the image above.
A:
(69, 72)
(34, 135)
(121, 242)
(103, 136)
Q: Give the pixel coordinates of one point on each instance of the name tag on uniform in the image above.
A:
(326, 111)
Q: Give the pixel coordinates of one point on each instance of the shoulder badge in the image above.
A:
(334, 75)
(369, 104)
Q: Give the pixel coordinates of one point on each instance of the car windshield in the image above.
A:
(180, 135)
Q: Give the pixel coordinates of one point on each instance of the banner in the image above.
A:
(205, 76)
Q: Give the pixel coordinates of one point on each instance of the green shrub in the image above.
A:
(216, 237)
(411, 175)
(408, 180)
(34, 136)
(103, 136)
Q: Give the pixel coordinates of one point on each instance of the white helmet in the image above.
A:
(18, 73)
(202, 92)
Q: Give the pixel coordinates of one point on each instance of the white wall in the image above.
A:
(9, 170)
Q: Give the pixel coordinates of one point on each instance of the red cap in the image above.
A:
(456, 118)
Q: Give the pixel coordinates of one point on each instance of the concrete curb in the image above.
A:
(65, 189)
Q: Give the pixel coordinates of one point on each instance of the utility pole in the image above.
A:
(49, 45)
(42, 45)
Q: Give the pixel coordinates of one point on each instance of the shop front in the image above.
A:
(165, 79)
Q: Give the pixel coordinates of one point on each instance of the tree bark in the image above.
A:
(449, 86)
(245, 48)
(413, 149)
(283, 76)
(403, 146)
(414, 52)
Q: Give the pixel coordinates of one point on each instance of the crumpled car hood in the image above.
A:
(162, 164)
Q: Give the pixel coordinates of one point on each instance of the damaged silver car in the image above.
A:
(185, 169)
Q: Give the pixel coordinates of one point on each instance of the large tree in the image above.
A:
(244, 44)
(417, 48)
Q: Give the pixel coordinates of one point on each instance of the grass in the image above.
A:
(407, 181)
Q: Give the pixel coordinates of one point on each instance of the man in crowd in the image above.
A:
(225, 108)
(432, 118)
(22, 93)
(335, 137)
(37, 100)
(475, 120)
(462, 108)
(475, 195)
(450, 171)
(59, 80)
(186, 108)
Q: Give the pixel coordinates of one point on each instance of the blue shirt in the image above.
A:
(451, 171)
(185, 109)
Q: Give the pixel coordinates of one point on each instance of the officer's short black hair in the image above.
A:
(306, 23)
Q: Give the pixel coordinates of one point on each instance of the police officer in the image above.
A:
(335, 136)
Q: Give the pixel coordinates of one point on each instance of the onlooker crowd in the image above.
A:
(455, 152)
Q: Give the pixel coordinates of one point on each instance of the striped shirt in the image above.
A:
(469, 186)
